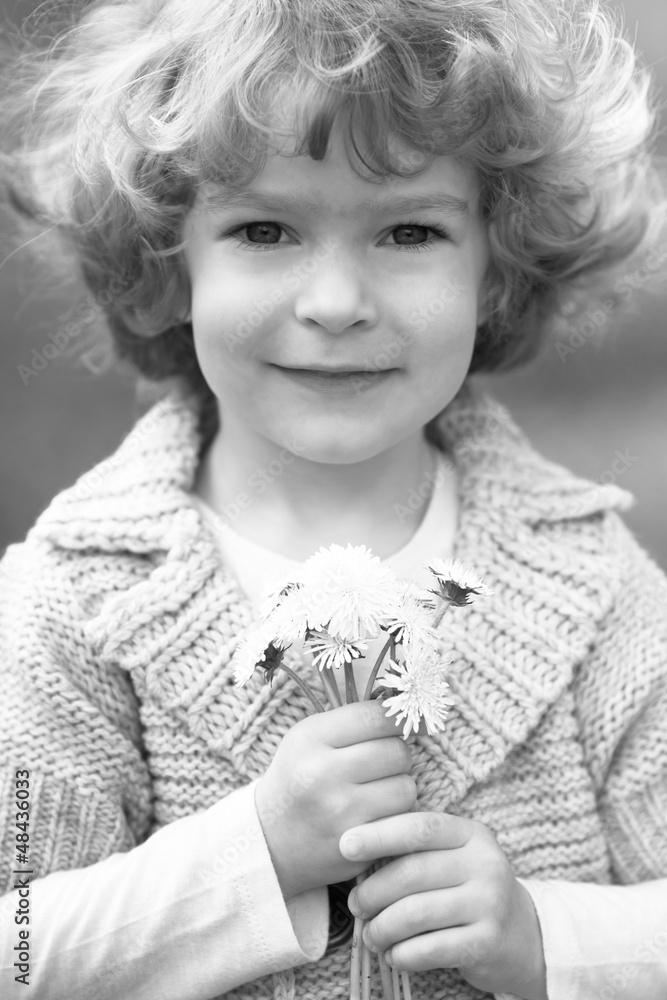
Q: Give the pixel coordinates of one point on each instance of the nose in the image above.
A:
(337, 293)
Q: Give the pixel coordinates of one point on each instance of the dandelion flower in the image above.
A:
(414, 621)
(290, 618)
(258, 649)
(458, 584)
(422, 691)
(349, 591)
(333, 651)
(275, 593)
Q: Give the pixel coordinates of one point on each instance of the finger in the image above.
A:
(375, 759)
(450, 948)
(349, 724)
(406, 876)
(398, 835)
(435, 910)
(383, 798)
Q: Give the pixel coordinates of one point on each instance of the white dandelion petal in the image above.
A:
(349, 591)
(291, 618)
(422, 692)
(251, 652)
(458, 583)
(333, 651)
(459, 573)
(413, 623)
(274, 593)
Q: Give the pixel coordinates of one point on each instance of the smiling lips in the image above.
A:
(335, 371)
(345, 381)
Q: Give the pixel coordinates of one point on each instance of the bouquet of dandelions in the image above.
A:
(336, 602)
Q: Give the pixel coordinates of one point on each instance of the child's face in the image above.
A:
(330, 283)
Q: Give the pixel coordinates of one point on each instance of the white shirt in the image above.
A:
(197, 911)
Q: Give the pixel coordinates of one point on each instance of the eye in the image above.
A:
(417, 231)
(268, 234)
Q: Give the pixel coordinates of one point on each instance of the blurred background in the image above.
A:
(595, 401)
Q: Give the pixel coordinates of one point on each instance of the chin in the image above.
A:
(338, 447)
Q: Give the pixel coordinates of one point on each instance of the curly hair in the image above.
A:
(119, 122)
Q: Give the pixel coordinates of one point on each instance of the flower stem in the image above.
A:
(440, 615)
(305, 688)
(388, 992)
(355, 961)
(385, 978)
(331, 688)
(366, 973)
(374, 672)
(358, 947)
(405, 980)
(350, 687)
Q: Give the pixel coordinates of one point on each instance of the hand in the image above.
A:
(331, 771)
(449, 900)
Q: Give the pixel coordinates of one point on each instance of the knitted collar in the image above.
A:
(527, 525)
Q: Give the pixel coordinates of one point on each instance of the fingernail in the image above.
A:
(351, 845)
(387, 957)
(353, 904)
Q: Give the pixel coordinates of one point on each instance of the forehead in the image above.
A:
(260, 198)
(329, 183)
(331, 187)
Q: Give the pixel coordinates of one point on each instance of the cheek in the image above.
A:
(446, 346)
(229, 326)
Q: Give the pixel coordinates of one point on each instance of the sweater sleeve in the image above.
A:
(74, 728)
(218, 919)
(97, 889)
(621, 697)
(611, 938)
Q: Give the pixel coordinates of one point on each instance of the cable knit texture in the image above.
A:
(119, 622)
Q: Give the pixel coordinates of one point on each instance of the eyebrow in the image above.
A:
(433, 201)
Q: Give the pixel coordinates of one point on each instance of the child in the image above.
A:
(312, 222)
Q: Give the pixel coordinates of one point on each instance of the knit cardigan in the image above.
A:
(118, 623)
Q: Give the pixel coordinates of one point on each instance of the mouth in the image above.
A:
(332, 381)
(337, 371)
